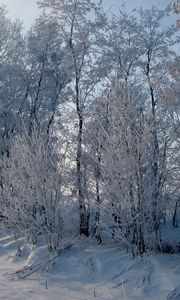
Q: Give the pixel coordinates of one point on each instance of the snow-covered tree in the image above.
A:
(11, 48)
(31, 194)
(79, 22)
(46, 75)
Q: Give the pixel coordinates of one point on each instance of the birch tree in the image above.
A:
(156, 44)
(78, 22)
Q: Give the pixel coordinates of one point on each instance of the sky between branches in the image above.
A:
(27, 10)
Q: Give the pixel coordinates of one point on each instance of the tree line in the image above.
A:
(89, 124)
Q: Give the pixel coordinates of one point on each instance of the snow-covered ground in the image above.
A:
(88, 271)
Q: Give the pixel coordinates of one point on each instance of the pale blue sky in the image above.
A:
(27, 11)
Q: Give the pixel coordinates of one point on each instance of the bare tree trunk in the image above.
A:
(98, 201)
(175, 213)
(33, 112)
(83, 213)
(155, 169)
(84, 217)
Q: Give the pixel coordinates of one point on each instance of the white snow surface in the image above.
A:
(88, 271)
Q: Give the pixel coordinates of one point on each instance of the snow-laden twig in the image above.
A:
(174, 294)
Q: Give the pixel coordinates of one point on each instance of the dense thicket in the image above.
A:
(89, 125)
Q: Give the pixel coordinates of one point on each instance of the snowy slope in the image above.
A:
(89, 271)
